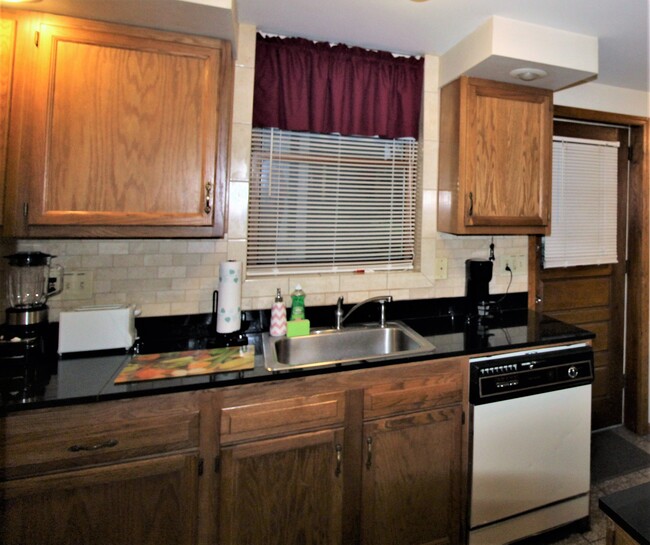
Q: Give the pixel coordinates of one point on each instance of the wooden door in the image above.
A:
(128, 132)
(148, 502)
(283, 491)
(508, 155)
(593, 297)
(411, 479)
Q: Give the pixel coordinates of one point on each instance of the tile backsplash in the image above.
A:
(171, 277)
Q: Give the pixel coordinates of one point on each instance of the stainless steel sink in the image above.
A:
(333, 346)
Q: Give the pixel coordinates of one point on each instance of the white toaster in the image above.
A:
(97, 328)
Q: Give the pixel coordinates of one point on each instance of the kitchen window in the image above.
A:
(334, 158)
(331, 203)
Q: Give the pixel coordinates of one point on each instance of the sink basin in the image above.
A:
(332, 346)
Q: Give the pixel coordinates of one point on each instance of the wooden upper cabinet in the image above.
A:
(495, 158)
(128, 132)
(8, 28)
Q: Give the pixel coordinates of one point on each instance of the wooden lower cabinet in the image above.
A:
(411, 479)
(148, 502)
(125, 472)
(364, 457)
(283, 491)
(617, 536)
(383, 464)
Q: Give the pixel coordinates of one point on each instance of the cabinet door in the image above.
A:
(283, 491)
(147, 502)
(507, 165)
(129, 131)
(412, 479)
(8, 27)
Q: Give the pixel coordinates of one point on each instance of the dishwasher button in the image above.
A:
(573, 371)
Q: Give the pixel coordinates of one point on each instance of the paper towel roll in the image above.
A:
(229, 303)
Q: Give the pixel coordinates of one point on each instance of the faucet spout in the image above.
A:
(381, 299)
(339, 312)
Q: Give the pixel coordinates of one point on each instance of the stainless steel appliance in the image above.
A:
(29, 285)
(530, 446)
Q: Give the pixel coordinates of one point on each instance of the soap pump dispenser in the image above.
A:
(278, 317)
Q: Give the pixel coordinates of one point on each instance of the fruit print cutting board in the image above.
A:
(187, 363)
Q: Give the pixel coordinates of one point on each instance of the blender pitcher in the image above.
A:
(28, 287)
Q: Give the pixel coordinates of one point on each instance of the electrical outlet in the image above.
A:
(440, 268)
(77, 285)
(517, 263)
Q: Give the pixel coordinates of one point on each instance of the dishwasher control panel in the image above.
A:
(507, 376)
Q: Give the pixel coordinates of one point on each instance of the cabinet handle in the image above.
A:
(106, 444)
(208, 198)
(339, 459)
(369, 455)
(471, 204)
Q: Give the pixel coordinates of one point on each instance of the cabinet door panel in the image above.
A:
(508, 165)
(411, 479)
(495, 158)
(129, 130)
(148, 502)
(285, 491)
(7, 48)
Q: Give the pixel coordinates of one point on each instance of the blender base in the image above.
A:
(24, 317)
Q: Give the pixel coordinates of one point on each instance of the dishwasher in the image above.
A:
(530, 442)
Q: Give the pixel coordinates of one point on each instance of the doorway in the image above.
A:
(597, 297)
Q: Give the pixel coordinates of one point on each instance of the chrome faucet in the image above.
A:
(381, 299)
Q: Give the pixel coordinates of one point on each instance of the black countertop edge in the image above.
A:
(630, 510)
(90, 379)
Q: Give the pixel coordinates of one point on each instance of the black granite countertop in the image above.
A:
(630, 510)
(87, 379)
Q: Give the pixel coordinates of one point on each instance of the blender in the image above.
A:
(29, 284)
(25, 362)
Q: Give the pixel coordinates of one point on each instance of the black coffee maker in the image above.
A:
(478, 273)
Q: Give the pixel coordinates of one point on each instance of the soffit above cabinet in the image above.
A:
(212, 18)
(502, 45)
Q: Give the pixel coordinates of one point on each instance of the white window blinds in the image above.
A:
(330, 203)
(583, 223)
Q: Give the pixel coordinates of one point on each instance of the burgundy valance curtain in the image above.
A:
(305, 86)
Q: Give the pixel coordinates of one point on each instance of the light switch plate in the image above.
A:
(440, 268)
(77, 285)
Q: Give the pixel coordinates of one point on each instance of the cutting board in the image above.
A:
(187, 363)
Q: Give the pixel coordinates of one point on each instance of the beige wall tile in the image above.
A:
(243, 98)
(238, 210)
(368, 281)
(240, 152)
(246, 45)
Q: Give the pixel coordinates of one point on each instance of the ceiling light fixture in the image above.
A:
(528, 74)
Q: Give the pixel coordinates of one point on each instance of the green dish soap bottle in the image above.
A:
(298, 304)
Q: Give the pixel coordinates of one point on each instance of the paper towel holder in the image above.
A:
(235, 338)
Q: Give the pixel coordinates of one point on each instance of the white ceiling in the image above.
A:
(399, 26)
(433, 26)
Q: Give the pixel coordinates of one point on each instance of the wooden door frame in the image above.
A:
(635, 410)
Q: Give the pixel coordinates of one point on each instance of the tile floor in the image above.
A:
(596, 535)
